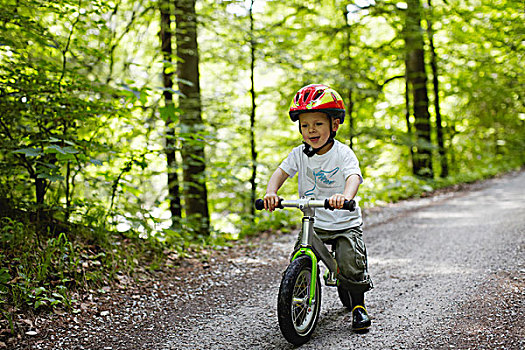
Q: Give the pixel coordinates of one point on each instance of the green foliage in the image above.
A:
(45, 274)
(386, 189)
(37, 275)
(283, 221)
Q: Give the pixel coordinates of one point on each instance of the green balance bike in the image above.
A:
(299, 301)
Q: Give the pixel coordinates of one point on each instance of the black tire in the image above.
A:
(345, 297)
(296, 319)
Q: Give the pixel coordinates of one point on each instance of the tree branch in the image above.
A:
(391, 79)
(66, 49)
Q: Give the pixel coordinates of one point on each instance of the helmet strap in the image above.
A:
(309, 150)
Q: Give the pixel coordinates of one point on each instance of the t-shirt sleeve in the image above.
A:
(291, 164)
(351, 164)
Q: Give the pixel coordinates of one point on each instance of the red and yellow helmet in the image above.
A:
(317, 98)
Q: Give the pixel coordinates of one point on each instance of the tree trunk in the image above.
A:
(192, 150)
(252, 116)
(40, 191)
(351, 120)
(350, 106)
(435, 82)
(407, 116)
(167, 79)
(417, 78)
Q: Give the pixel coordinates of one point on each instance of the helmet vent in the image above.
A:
(317, 98)
(318, 94)
(306, 94)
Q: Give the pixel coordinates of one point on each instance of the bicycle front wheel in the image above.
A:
(297, 319)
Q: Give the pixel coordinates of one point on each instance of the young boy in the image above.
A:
(328, 169)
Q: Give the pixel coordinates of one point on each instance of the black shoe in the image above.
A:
(360, 319)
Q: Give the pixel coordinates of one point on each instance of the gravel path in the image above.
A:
(449, 272)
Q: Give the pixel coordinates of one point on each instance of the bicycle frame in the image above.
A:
(297, 307)
(310, 244)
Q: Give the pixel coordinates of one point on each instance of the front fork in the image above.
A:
(308, 241)
(313, 283)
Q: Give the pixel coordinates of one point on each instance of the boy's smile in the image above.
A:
(315, 128)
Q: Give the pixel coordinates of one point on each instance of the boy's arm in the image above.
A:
(351, 186)
(276, 181)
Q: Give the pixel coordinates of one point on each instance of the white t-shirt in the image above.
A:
(322, 176)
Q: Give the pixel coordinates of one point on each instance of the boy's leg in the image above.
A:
(352, 261)
(351, 256)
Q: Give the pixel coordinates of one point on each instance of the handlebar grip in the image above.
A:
(347, 205)
(259, 204)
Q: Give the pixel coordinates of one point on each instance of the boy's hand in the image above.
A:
(270, 201)
(337, 200)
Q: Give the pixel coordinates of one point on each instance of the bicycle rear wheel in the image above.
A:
(297, 319)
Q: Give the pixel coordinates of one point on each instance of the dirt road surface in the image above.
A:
(449, 273)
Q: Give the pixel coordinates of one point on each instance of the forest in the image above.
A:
(134, 133)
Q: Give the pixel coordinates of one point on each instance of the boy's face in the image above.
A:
(315, 128)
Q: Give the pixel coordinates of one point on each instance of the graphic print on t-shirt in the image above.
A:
(320, 178)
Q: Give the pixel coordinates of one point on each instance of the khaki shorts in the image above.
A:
(350, 253)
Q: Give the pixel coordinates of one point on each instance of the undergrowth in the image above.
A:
(43, 271)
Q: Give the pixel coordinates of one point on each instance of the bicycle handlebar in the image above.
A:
(306, 203)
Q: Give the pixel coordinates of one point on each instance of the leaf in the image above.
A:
(39, 290)
(30, 152)
(39, 303)
(127, 188)
(143, 97)
(95, 161)
(173, 91)
(170, 232)
(55, 148)
(54, 139)
(185, 82)
(4, 275)
(136, 93)
(61, 150)
(70, 150)
(50, 177)
(58, 296)
(65, 157)
(168, 113)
